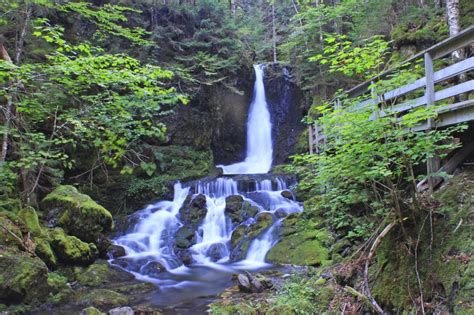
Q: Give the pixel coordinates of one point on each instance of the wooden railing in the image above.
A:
(447, 115)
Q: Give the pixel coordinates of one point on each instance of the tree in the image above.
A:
(452, 10)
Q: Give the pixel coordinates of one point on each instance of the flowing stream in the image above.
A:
(191, 246)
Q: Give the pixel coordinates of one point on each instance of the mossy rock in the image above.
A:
(23, 279)
(70, 249)
(103, 299)
(301, 244)
(45, 251)
(60, 291)
(239, 210)
(91, 311)
(7, 220)
(77, 213)
(29, 218)
(194, 210)
(101, 273)
(244, 234)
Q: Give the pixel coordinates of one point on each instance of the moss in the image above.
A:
(77, 213)
(22, 279)
(45, 252)
(91, 311)
(7, 221)
(71, 249)
(10, 205)
(304, 248)
(96, 275)
(231, 308)
(301, 145)
(104, 299)
(302, 243)
(138, 288)
(60, 291)
(29, 217)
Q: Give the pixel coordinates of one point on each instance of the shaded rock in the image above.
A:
(287, 194)
(249, 284)
(116, 251)
(194, 210)
(152, 268)
(77, 213)
(216, 251)
(23, 279)
(185, 237)
(185, 256)
(239, 210)
(281, 213)
(71, 249)
(126, 310)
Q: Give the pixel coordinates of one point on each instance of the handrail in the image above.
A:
(437, 51)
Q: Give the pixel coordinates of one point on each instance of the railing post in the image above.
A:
(430, 99)
(310, 138)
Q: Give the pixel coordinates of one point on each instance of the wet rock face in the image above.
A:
(185, 237)
(193, 211)
(245, 233)
(285, 104)
(239, 210)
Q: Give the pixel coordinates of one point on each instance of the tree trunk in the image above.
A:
(274, 35)
(12, 93)
(452, 9)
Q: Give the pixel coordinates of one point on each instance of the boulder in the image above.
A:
(152, 268)
(29, 218)
(116, 251)
(101, 273)
(239, 210)
(249, 284)
(216, 251)
(193, 211)
(303, 248)
(104, 299)
(287, 194)
(70, 249)
(45, 251)
(91, 311)
(23, 279)
(243, 235)
(77, 213)
(281, 213)
(185, 237)
(126, 310)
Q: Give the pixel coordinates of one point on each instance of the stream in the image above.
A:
(202, 262)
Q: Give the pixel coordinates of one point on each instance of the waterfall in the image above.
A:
(207, 251)
(259, 156)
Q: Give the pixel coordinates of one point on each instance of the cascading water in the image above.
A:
(259, 134)
(194, 243)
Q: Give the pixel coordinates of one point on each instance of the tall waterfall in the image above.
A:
(211, 250)
(259, 133)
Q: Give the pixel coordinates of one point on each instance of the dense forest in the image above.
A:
(109, 106)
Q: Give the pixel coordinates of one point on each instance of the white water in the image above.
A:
(259, 156)
(152, 239)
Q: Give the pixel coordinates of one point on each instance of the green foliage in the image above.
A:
(362, 60)
(370, 152)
